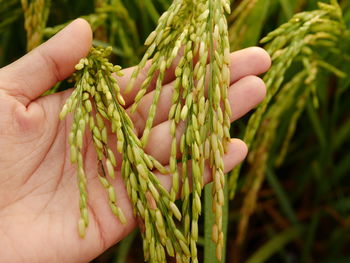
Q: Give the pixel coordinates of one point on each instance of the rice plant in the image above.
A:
(205, 136)
(289, 200)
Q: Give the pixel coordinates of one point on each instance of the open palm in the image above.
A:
(39, 206)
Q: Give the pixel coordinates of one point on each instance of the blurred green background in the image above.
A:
(292, 198)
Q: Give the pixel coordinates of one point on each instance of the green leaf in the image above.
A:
(123, 248)
(275, 244)
(209, 219)
(281, 196)
(287, 8)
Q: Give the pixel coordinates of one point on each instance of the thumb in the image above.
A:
(32, 75)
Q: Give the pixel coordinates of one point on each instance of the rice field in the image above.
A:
(290, 200)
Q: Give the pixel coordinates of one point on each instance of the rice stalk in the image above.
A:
(304, 34)
(193, 27)
(188, 25)
(96, 100)
(36, 13)
(287, 96)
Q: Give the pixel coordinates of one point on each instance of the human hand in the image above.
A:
(39, 207)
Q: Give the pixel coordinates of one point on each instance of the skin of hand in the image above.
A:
(39, 206)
